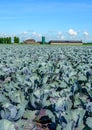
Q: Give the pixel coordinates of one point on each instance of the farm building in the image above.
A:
(30, 41)
(65, 42)
(40, 42)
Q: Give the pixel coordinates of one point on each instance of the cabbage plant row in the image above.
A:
(45, 87)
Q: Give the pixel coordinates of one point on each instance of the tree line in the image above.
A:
(8, 40)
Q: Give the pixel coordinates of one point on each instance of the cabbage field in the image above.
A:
(45, 87)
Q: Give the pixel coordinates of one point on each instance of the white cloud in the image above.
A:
(86, 33)
(5, 35)
(59, 33)
(24, 33)
(39, 35)
(35, 34)
(72, 32)
(62, 37)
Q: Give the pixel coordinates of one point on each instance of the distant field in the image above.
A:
(88, 44)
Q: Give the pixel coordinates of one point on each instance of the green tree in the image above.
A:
(16, 39)
(1, 40)
(8, 40)
(5, 40)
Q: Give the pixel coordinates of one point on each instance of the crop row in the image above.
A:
(45, 87)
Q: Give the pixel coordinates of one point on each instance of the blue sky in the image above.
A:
(56, 19)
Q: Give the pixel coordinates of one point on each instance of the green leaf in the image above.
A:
(6, 125)
(89, 122)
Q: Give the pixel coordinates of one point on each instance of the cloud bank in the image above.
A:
(70, 34)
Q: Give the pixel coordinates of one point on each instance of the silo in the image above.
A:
(43, 39)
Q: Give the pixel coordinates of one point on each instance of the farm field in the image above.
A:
(45, 87)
